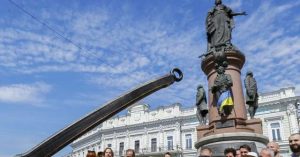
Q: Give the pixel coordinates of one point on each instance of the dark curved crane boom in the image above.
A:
(70, 133)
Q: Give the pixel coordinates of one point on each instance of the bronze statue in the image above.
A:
(201, 104)
(219, 24)
(222, 92)
(251, 93)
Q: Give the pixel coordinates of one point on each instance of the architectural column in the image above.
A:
(178, 135)
(115, 141)
(291, 112)
(128, 141)
(144, 141)
(102, 143)
(161, 137)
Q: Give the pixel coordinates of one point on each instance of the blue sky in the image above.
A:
(47, 82)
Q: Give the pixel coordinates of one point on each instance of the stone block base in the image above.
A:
(219, 142)
(230, 126)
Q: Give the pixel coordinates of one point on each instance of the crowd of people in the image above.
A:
(272, 150)
(108, 152)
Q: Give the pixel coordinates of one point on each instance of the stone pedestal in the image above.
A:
(233, 130)
(237, 120)
(236, 61)
(219, 142)
(232, 126)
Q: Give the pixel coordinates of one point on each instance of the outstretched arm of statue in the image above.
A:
(237, 14)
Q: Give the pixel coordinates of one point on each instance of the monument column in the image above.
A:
(228, 125)
(236, 61)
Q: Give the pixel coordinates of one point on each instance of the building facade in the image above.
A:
(173, 128)
(150, 133)
(278, 112)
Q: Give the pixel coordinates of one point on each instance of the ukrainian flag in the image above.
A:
(225, 100)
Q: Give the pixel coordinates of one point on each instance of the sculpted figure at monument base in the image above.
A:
(222, 92)
(251, 93)
(201, 104)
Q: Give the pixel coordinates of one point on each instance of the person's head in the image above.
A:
(238, 153)
(265, 152)
(217, 2)
(167, 154)
(100, 154)
(130, 153)
(91, 154)
(294, 142)
(274, 146)
(230, 152)
(108, 152)
(199, 87)
(244, 149)
(205, 152)
(250, 73)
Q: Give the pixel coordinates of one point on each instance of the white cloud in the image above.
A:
(39, 52)
(234, 4)
(272, 52)
(125, 55)
(24, 93)
(120, 49)
(122, 81)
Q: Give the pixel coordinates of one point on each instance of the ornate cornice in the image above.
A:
(284, 100)
(273, 118)
(165, 123)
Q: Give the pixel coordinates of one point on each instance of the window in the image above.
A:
(121, 148)
(170, 142)
(276, 135)
(137, 146)
(188, 141)
(109, 145)
(153, 145)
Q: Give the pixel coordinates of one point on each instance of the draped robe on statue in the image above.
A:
(219, 24)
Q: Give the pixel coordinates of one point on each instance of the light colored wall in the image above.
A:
(143, 124)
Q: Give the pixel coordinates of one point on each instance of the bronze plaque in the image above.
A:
(226, 124)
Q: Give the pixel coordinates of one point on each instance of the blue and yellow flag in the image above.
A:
(225, 100)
